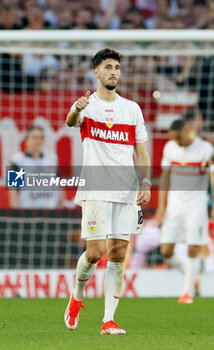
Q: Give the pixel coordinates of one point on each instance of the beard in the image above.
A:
(110, 87)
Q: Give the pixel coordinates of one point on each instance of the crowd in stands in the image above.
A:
(106, 14)
(46, 72)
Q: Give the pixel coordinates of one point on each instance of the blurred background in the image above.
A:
(40, 81)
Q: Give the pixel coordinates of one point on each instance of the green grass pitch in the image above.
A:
(150, 324)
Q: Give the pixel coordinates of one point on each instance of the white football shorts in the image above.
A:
(104, 220)
(186, 226)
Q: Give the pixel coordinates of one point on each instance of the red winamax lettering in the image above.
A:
(119, 133)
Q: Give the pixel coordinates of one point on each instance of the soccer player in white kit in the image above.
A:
(111, 128)
(184, 173)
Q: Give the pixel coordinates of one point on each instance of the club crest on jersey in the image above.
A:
(109, 122)
(92, 225)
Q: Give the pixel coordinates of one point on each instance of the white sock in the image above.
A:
(84, 272)
(177, 261)
(192, 269)
(113, 286)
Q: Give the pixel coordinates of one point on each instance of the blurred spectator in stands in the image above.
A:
(200, 14)
(147, 7)
(194, 120)
(77, 73)
(136, 78)
(127, 24)
(211, 14)
(85, 18)
(7, 18)
(185, 3)
(114, 13)
(12, 15)
(52, 9)
(162, 13)
(35, 18)
(73, 6)
(12, 3)
(198, 75)
(39, 14)
(185, 11)
(35, 160)
(49, 79)
(65, 19)
(59, 13)
(135, 17)
(27, 4)
(34, 65)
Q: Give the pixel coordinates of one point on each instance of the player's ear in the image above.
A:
(96, 73)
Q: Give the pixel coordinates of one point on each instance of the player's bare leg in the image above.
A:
(116, 251)
(204, 253)
(86, 266)
(193, 265)
(167, 250)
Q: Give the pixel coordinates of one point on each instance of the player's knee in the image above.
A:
(166, 252)
(193, 251)
(117, 254)
(93, 256)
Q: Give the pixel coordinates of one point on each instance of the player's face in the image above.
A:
(181, 137)
(108, 73)
(34, 141)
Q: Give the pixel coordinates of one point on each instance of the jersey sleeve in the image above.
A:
(166, 161)
(140, 133)
(209, 151)
(80, 121)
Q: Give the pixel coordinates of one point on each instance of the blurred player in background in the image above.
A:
(194, 121)
(184, 174)
(111, 127)
(36, 160)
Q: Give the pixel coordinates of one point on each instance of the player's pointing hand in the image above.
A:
(82, 102)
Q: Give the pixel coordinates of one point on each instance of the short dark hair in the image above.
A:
(34, 127)
(103, 55)
(189, 114)
(177, 125)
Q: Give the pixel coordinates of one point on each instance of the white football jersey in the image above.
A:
(109, 131)
(189, 179)
(41, 198)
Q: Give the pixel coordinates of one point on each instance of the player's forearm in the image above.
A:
(72, 117)
(143, 162)
(162, 199)
(164, 183)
